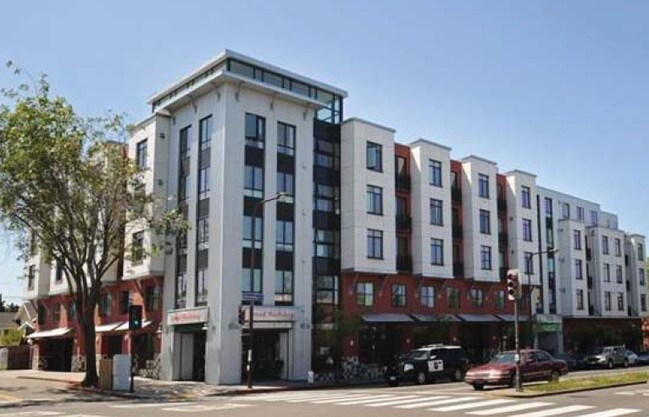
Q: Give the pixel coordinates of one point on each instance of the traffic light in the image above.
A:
(242, 316)
(513, 285)
(134, 317)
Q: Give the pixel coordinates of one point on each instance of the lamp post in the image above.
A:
(251, 344)
(528, 272)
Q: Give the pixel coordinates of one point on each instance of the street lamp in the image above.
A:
(279, 196)
(528, 272)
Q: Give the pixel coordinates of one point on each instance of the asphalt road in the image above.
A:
(444, 399)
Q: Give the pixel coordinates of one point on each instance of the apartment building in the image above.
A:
(374, 248)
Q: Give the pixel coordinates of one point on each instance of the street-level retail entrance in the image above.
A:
(270, 354)
(189, 339)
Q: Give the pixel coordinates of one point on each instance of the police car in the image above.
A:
(428, 363)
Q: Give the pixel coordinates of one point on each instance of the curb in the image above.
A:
(37, 378)
(567, 391)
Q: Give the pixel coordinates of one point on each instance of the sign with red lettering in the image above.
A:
(187, 316)
(271, 313)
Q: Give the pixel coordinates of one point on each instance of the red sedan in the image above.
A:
(536, 365)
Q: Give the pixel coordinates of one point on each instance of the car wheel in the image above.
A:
(420, 378)
(609, 365)
(554, 377)
(478, 387)
(626, 363)
(457, 375)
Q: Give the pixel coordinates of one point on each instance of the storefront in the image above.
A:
(52, 350)
(548, 333)
(189, 338)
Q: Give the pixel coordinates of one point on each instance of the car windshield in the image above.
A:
(418, 354)
(506, 357)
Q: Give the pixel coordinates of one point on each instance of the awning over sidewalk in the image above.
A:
(387, 318)
(478, 318)
(510, 317)
(430, 318)
(108, 327)
(124, 326)
(60, 332)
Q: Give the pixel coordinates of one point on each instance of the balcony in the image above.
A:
(502, 204)
(458, 269)
(589, 254)
(457, 231)
(404, 223)
(456, 194)
(402, 182)
(590, 282)
(404, 263)
(548, 222)
(503, 238)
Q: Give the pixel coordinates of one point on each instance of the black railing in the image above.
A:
(502, 204)
(404, 222)
(404, 263)
(456, 194)
(402, 182)
(458, 269)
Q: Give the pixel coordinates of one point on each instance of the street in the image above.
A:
(40, 398)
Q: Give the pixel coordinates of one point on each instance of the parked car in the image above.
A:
(643, 358)
(428, 363)
(535, 365)
(570, 361)
(608, 357)
(631, 357)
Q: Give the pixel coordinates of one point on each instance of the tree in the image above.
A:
(67, 184)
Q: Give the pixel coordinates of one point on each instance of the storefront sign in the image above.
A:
(187, 316)
(548, 318)
(271, 313)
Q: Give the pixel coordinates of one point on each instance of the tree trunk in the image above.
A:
(91, 379)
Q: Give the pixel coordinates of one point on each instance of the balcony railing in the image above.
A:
(404, 263)
(457, 231)
(502, 239)
(456, 194)
(458, 269)
(502, 204)
(404, 222)
(402, 182)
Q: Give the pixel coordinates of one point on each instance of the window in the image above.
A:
(436, 251)
(579, 269)
(364, 293)
(527, 230)
(618, 247)
(593, 218)
(483, 185)
(205, 132)
(327, 154)
(485, 257)
(427, 296)
(181, 281)
(640, 252)
(72, 312)
(398, 295)
(577, 239)
(529, 264)
(285, 139)
(565, 210)
(326, 290)
(327, 198)
(203, 231)
(618, 274)
(201, 279)
(580, 299)
(286, 185)
(248, 283)
(485, 222)
(137, 248)
(548, 207)
(253, 181)
(374, 157)
(326, 243)
(105, 305)
(151, 297)
(255, 131)
(374, 244)
(141, 153)
(284, 235)
(374, 200)
(436, 213)
(203, 181)
(401, 166)
(607, 273)
(605, 245)
(183, 142)
(607, 301)
(31, 277)
(402, 206)
(435, 173)
(453, 296)
(641, 278)
(620, 301)
(247, 232)
(499, 300)
(526, 197)
(124, 302)
(580, 214)
(476, 297)
(58, 277)
(643, 302)
(283, 287)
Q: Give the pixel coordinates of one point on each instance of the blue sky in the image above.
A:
(560, 89)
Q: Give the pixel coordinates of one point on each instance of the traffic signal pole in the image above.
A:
(514, 294)
(519, 386)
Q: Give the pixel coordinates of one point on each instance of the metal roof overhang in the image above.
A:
(387, 318)
(478, 318)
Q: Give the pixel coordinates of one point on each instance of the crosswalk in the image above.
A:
(470, 405)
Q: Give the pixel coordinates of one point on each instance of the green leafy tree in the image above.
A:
(67, 184)
(11, 337)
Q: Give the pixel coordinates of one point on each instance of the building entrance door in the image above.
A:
(192, 356)
(270, 356)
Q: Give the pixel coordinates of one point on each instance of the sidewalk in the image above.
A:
(179, 390)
